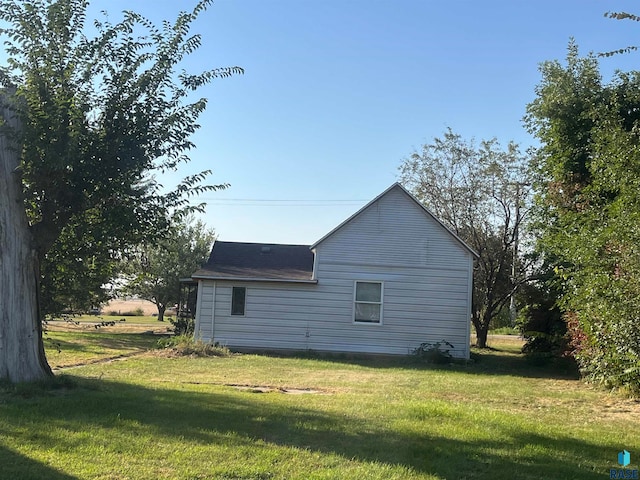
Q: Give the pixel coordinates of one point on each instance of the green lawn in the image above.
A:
(66, 349)
(152, 417)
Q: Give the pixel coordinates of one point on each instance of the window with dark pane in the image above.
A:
(238, 300)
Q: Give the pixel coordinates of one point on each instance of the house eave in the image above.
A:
(253, 279)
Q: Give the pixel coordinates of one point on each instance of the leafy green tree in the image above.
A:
(88, 124)
(157, 269)
(481, 194)
(588, 209)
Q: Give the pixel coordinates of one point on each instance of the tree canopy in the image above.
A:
(156, 269)
(99, 118)
(481, 193)
(588, 208)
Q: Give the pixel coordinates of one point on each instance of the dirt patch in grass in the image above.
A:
(269, 389)
(266, 388)
(116, 358)
(619, 409)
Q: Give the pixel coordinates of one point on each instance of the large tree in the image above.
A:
(156, 269)
(88, 124)
(588, 208)
(481, 193)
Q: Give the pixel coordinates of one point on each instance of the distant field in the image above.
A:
(122, 306)
(123, 310)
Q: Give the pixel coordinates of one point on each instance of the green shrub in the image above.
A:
(186, 345)
(183, 325)
(437, 352)
(541, 322)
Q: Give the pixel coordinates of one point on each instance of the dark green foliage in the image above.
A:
(542, 324)
(588, 210)
(437, 353)
(183, 325)
(181, 345)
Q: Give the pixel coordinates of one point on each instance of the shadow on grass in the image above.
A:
(17, 466)
(252, 421)
(497, 362)
(488, 361)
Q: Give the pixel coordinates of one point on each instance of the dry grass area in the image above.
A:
(122, 306)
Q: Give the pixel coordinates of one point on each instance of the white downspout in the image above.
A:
(197, 334)
(213, 314)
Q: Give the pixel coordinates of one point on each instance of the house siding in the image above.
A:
(427, 292)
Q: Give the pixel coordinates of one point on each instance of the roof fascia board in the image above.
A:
(252, 279)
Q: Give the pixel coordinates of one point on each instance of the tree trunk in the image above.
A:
(161, 308)
(22, 357)
(481, 337)
(482, 330)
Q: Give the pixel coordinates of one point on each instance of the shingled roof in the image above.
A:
(258, 261)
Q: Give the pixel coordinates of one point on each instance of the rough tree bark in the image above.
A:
(482, 331)
(161, 309)
(22, 357)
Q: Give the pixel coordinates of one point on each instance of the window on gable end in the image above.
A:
(368, 302)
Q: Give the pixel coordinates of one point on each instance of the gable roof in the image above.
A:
(397, 186)
(258, 261)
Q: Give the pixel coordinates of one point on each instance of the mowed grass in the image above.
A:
(266, 417)
(67, 349)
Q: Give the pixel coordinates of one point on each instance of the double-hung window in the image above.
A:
(238, 300)
(368, 302)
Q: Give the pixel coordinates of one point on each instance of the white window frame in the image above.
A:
(381, 302)
(244, 309)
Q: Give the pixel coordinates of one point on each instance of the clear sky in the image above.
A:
(337, 92)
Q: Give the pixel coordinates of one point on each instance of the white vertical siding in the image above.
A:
(427, 290)
(204, 310)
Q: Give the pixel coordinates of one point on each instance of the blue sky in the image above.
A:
(337, 92)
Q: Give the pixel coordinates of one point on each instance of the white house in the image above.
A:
(385, 280)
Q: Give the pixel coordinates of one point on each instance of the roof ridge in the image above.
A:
(264, 243)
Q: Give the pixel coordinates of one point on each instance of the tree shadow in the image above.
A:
(17, 466)
(497, 362)
(215, 417)
(489, 361)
